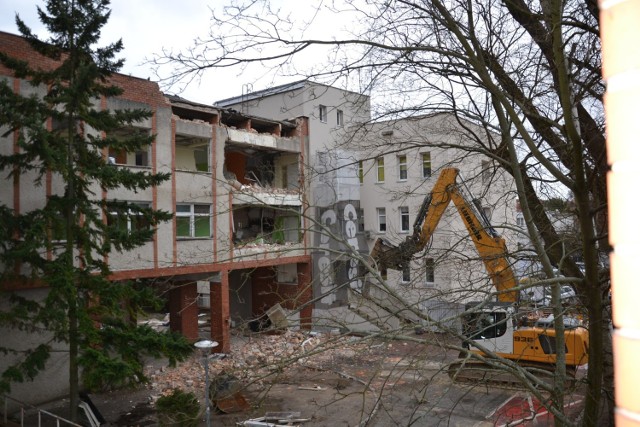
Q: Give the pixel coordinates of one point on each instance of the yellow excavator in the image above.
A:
(496, 326)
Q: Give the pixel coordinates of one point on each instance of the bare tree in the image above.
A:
(527, 72)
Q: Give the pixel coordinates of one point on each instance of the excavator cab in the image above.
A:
(490, 325)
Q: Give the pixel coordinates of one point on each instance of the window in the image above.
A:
(430, 270)
(520, 221)
(139, 157)
(382, 220)
(193, 220)
(486, 171)
(426, 165)
(360, 172)
(380, 167)
(142, 158)
(323, 113)
(361, 220)
(58, 228)
(128, 219)
(402, 168)
(339, 117)
(404, 218)
(406, 274)
(486, 212)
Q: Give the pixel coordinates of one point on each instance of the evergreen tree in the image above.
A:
(63, 244)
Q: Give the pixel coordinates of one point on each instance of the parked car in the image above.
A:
(566, 292)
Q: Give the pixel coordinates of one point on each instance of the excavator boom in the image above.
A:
(490, 246)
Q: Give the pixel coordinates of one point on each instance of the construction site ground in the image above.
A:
(329, 380)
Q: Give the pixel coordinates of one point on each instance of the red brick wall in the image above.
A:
(183, 310)
(266, 292)
(135, 89)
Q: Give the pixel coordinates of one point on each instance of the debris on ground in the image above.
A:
(255, 357)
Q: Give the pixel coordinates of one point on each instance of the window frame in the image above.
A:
(113, 213)
(485, 170)
(404, 219)
(429, 272)
(339, 118)
(402, 167)
(380, 169)
(406, 274)
(322, 113)
(193, 218)
(381, 214)
(426, 172)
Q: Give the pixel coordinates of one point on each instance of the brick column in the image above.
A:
(305, 295)
(620, 35)
(220, 319)
(183, 309)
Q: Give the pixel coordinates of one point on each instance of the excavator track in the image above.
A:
(476, 372)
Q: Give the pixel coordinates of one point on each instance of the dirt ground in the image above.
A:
(324, 379)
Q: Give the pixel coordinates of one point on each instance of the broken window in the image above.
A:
(139, 157)
(193, 220)
(193, 154)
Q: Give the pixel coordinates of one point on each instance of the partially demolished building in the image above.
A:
(238, 194)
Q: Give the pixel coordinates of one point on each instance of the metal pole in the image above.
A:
(206, 390)
(205, 346)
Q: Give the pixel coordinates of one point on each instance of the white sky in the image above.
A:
(146, 27)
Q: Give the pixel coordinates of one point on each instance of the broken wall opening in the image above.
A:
(253, 292)
(262, 169)
(266, 225)
(192, 153)
(139, 157)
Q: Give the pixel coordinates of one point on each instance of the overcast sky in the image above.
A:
(146, 26)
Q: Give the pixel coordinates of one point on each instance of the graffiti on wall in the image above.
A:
(336, 264)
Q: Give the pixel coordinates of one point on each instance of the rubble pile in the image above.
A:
(254, 358)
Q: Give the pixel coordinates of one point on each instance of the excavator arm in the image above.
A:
(490, 246)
